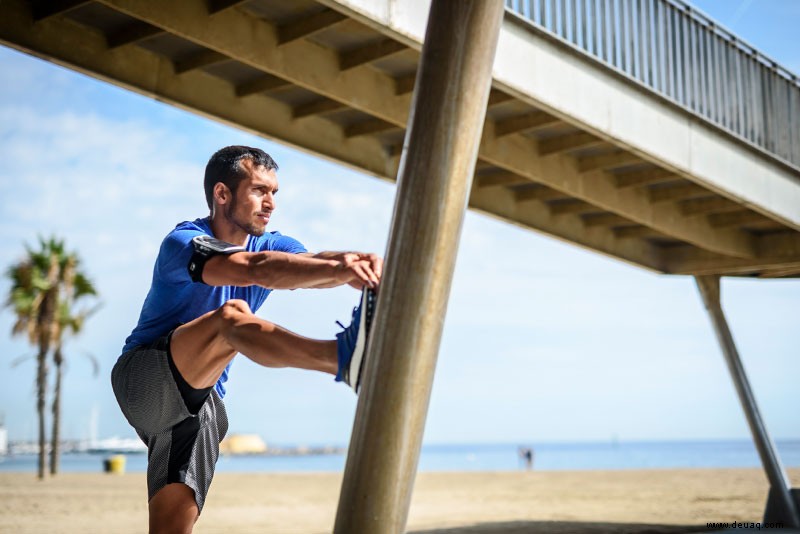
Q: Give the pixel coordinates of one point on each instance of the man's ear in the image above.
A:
(222, 194)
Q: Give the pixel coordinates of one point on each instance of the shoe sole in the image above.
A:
(367, 309)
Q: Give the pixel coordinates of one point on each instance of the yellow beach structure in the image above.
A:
(243, 444)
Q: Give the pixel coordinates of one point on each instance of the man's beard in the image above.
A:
(249, 227)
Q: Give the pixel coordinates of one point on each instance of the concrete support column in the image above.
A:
(434, 180)
(783, 504)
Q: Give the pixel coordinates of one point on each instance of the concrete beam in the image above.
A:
(614, 160)
(254, 42)
(540, 193)
(694, 261)
(261, 85)
(368, 127)
(498, 97)
(198, 60)
(703, 206)
(131, 34)
(523, 123)
(405, 84)
(604, 219)
(215, 6)
(785, 244)
(566, 143)
(677, 192)
(308, 26)
(499, 178)
(562, 173)
(369, 53)
(735, 218)
(563, 207)
(317, 107)
(501, 203)
(643, 177)
(634, 231)
(43, 9)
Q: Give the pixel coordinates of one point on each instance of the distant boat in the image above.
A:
(117, 445)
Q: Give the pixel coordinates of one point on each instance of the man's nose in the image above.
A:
(269, 201)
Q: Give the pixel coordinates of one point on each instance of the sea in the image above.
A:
(480, 457)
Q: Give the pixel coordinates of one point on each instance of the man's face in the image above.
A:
(251, 206)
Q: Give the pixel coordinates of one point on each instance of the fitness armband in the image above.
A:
(205, 248)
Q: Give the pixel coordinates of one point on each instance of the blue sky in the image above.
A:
(543, 341)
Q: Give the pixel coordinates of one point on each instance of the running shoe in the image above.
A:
(351, 343)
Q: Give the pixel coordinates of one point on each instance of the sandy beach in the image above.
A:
(557, 501)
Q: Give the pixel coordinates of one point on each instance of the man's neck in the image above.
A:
(223, 229)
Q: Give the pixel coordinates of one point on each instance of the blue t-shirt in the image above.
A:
(174, 299)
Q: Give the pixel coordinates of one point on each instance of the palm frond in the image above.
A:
(83, 286)
(21, 358)
(95, 363)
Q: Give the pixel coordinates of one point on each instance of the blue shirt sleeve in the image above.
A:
(173, 259)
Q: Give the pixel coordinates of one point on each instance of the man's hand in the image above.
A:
(366, 269)
(358, 269)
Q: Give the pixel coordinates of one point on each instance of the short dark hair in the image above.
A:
(225, 166)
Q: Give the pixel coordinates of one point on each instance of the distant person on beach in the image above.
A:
(526, 455)
(210, 275)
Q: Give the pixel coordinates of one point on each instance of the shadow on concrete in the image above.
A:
(564, 527)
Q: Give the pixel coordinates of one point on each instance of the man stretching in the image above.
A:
(211, 274)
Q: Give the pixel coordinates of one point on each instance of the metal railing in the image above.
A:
(671, 48)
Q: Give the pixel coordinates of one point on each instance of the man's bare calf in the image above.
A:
(201, 349)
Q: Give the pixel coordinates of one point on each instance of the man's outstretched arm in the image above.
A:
(375, 261)
(282, 270)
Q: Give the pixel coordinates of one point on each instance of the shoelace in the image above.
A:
(343, 327)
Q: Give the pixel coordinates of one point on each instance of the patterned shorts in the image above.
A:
(181, 446)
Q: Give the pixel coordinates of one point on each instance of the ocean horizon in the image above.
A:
(481, 457)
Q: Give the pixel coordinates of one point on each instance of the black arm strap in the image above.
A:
(205, 248)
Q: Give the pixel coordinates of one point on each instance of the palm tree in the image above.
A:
(45, 286)
(75, 286)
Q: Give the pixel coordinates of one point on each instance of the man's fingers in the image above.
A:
(366, 273)
(366, 269)
(376, 263)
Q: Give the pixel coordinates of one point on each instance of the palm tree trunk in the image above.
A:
(56, 432)
(41, 394)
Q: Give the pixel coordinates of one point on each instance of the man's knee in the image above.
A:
(234, 310)
(232, 314)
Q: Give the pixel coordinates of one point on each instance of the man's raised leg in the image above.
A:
(201, 349)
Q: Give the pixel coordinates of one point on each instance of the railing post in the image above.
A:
(783, 504)
(434, 180)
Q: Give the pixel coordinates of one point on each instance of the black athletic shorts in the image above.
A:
(181, 446)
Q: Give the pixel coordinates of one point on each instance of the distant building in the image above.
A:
(243, 444)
